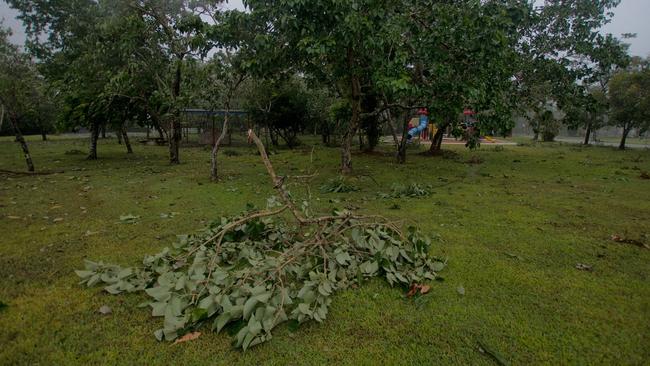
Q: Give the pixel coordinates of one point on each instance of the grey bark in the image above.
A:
(21, 140)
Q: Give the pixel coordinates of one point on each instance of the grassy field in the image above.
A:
(512, 227)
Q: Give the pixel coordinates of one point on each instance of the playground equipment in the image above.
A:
(469, 119)
(424, 122)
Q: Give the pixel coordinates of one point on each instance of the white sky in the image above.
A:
(631, 16)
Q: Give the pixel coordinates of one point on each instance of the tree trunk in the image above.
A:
(94, 135)
(103, 129)
(361, 144)
(393, 131)
(127, 142)
(118, 133)
(626, 131)
(274, 137)
(214, 173)
(43, 131)
(587, 134)
(400, 153)
(436, 141)
(325, 134)
(161, 132)
(175, 126)
(23, 144)
(348, 135)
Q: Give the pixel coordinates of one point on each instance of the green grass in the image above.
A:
(513, 229)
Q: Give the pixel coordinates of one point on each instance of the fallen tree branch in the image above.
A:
(278, 182)
(13, 172)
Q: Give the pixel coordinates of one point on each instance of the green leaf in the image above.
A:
(247, 341)
(243, 332)
(158, 308)
(113, 289)
(125, 273)
(304, 308)
(199, 314)
(159, 293)
(159, 334)
(263, 298)
(84, 274)
(461, 290)
(438, 266)
(221, 321)
(249, 306)
(254, 326)
(343, 257)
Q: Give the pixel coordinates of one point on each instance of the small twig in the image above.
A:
(232, 225)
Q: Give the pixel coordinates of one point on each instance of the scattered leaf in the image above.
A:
(583, 267)
(14, 217)
(418, 288)
(129, 218)
(168, 215)
(461, 290)
(188, 337)
(58, 219)
(105, 310)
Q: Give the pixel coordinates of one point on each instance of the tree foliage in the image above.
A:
(629, 97)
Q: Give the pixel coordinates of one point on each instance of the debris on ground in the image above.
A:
(188, 337)
(638, 243)
(485, 349)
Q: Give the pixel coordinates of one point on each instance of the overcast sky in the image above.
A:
(630, 17)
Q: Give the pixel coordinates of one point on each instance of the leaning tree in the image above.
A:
(20, 89)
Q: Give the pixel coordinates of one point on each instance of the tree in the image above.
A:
(117, 49)
(20, 86)
(469, 66)
(629, 97)
(282, 106)
(77, 57)
(604, 57)
(587, 109)
(181, 32)
(226, 76)
(562, 53)
(348, 34)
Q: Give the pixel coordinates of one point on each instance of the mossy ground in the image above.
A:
(512, 227)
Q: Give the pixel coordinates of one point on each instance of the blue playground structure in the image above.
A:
(424, 122)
